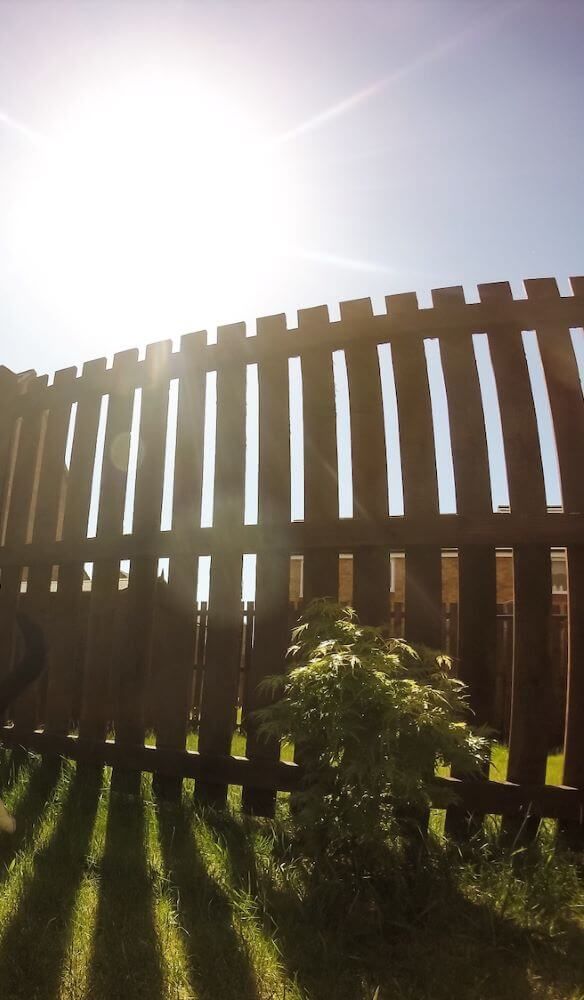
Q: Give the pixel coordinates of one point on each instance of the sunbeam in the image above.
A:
(36, 138)
(433, 55)
(349, 263)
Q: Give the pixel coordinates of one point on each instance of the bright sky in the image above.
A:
(166, 167)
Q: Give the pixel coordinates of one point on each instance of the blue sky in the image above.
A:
(417, 144)
(170, 167)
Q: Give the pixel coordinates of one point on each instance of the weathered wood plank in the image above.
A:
(567, 406)
(50, 484)
(555, 801)
(172, 670)
(371, 567)
(9, 388)
(188, 470)
(134, 662)
(441, 530)
(573, 748)
(423, 564)
(518, 420)
(321, 503)
(531, 689)
(17, 520)
(423, 586)
(10, 428)
(224, 622)
(477, 590)
(531, 565)
(101, 657)
(273, 567)
(65, 654)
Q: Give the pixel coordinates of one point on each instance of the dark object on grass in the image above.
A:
(30, 666)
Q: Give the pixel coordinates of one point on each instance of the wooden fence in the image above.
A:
(106, 680)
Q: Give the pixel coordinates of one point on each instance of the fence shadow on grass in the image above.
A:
(125, 963)
(40, 787)
(219, 966)
(11, 763)
(442, 945)
(33, 949)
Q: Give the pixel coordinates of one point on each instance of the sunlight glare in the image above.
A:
(152, 190)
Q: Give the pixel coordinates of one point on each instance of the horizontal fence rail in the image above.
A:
(105, 476)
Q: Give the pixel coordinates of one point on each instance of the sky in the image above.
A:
(171, 167)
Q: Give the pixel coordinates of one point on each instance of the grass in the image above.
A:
(110, 896)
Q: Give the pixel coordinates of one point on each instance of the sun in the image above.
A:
(154, 199)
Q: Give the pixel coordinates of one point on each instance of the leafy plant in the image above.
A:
(371, 718)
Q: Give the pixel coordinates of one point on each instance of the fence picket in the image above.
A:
(321, 503)
(9, 385)
(38, 602)
(423, 586)
(567, 407)
(477, 592)
(134, 661)
(10, 576)
(101, 654)
(17, 520)
(371, 568)
(224, 622)
(528, 744)
(64, 660)
(273, 566)
(174, 663)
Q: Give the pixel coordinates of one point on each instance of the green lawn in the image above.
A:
(109, 896)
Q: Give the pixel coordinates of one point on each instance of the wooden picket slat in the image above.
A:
(224, 622)
(172, 670)
(423, 583)
(134, 661)
(52, 473)
(528, 744)
(200, 654)
(173, 665)
(97, 708)
(65, 653)
(271, 633)
(188, 469)
(371, 567)
(27, 456)
(10, 576)
(28, 442)
(8, 391)
(567, 406)
(573, 749)
(423, 564)
(321, 502)
(565, 395)
(477, 590)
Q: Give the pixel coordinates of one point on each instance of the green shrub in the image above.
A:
(371, 719)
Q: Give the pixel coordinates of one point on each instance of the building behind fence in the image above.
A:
(129, 653)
